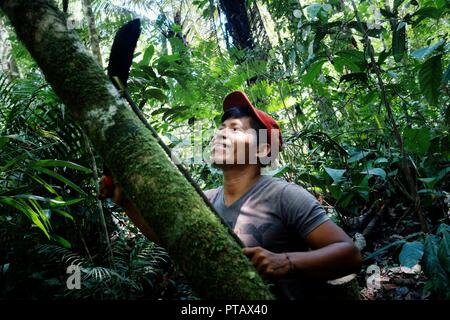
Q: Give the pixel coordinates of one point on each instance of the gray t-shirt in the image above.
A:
(275, 215)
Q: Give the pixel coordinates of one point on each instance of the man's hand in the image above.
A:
(109, 189)
(268, 264)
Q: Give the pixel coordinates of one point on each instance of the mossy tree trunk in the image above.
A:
(194, 237)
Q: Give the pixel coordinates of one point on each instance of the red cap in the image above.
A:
(240, 99)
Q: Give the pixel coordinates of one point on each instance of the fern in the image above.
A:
(134, 273)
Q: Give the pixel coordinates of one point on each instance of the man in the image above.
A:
(287, 234)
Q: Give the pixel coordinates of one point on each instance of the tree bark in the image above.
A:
(194, 237)
(7, 61)
(238, 23)
(93, 34)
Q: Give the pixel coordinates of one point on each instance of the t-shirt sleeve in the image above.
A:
(210, 194)
(301, 210)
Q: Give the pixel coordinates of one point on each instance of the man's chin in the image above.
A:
(221, 163)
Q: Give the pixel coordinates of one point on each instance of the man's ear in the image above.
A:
(263, 151)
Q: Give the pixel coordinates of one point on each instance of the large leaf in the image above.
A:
(417, 141)
(433, 268)
(399, 41)
(376, 172)
(60, 163)
(147, 55)
(313, 72)
(444, 248)
(279, 171)
(37, 217)
(155, 93)
(356, 156)
(62, 179)
(427, 12)
(446, 77)
(352, 59)
(411, 254)
(335, 174)
(430, 75)
(426, 51)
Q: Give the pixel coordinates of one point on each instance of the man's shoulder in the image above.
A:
(211, 193)
(288, 190)
(279, 185)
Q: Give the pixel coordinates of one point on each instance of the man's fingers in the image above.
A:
(249, 252)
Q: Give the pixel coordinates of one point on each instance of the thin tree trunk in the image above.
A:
(194, 237)
(93, 34)
(7, 62)
(405, 165)
(238, 23)
(259, 31)
(98, 202)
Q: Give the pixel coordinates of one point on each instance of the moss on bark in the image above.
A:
(192, 234)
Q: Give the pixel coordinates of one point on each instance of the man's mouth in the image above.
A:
(220, 145)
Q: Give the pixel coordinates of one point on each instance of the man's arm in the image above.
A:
(140, 223)
(333, 255)
(119, 197)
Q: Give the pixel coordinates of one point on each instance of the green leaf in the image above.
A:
(428, 12)
(429, 182)
(312, 10)
(430, 75)
(155, 94)
(60, 163)
(397, 4)
(147, 55)
(62, 179)
(354, 76)
(433, 268)
(23, 207)
(426, 51)
(376, 172)
(313, 72)
(345, 199)
(443, 228)
(417, 141)
(5, 139)
(381, 160)
(383, 56)
(444, 251)
(390, 245)
(442, 173)
(62, 241)
(446, 77)
(399, 41)
(335, 174)
(411, 254)
(64, 214)
(279, 171)
(358, 156)
(352, 59)
(387, 13)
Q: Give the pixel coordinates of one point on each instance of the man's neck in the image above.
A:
(238, 180)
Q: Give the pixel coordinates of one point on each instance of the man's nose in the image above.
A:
(221, 134)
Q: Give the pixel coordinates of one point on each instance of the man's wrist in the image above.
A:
(290, 264)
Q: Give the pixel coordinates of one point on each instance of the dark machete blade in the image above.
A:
(122, 50)
(120, 60)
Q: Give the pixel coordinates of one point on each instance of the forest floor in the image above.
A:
(390, 281)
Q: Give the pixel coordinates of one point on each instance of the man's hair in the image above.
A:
(237, 113)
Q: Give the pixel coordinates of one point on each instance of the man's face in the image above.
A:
(234, 143)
